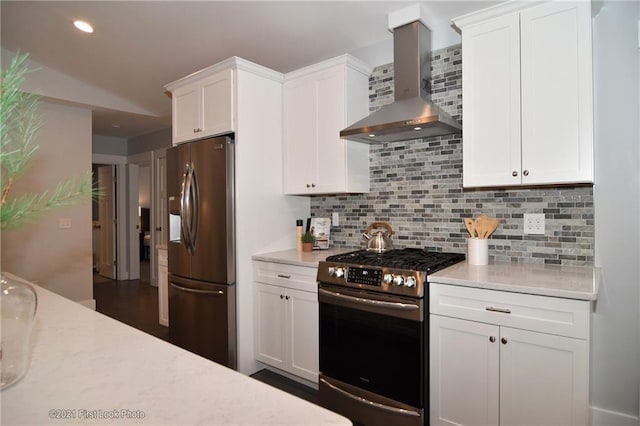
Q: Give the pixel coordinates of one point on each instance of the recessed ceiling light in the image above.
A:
(116, 126)
(83, 26)
(372, 135)
(417, 128)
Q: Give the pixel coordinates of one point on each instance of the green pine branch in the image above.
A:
(19, 125)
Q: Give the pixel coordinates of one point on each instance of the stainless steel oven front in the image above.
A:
(373, 349)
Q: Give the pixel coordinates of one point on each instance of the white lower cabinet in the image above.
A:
(287, 318)
(493, 360)
(163, 287)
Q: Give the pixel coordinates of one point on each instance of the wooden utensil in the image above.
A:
(471, 227)
(482, 226)
(492, 225)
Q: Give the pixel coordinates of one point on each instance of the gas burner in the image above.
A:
(414, 259)
(399, 271)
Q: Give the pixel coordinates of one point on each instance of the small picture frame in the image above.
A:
(321, 229)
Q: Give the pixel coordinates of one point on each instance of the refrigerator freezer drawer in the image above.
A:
(203, 318)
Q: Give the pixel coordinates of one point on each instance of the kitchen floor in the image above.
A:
(135, 302)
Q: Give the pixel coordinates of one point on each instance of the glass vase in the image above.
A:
(19, 303)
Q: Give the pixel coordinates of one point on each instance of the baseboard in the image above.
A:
(602, 417)
(91, 303)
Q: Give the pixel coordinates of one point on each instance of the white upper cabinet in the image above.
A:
(527, 94)
(203, 106)
(319, 101)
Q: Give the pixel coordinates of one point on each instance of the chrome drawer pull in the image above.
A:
(284, 276)
(501, 310)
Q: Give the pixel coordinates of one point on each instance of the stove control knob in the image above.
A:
(331, 270)
(398, 279)
(388, 278)
(339, 273)
(410, 282)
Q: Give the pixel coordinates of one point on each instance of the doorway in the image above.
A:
(104, 222)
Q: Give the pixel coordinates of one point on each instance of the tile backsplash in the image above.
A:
(416, 186)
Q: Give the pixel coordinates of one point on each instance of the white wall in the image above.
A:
(108, 145)
(57, 259)
(615, 361)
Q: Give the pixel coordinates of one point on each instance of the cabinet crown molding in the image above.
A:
(501, 9)
(346, 59)
(233, 62)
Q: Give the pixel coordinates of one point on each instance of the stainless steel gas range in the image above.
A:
(374, 334)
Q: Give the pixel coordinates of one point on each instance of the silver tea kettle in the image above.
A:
(379, 241)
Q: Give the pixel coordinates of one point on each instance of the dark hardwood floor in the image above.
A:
(135, 302)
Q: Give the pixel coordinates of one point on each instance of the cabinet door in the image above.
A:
(557, 104)
(302, 307)
(270, 325)
(216, 97)
(186, 113)
(299, 136)
(491, 108)
(330, 150)
(464, 365)
(543, 379)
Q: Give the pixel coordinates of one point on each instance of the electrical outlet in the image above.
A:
(335, 219)
(534, 223)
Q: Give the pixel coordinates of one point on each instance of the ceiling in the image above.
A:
(139, 46)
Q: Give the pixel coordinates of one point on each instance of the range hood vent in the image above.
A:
(412, 115)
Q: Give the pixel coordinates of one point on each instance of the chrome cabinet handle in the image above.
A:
(526, 173)
(500, 310)
(492, 339)
(503, 340)
(284, 276)
(514, 173)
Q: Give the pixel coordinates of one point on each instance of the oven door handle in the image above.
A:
(383, 407)
(381, 303)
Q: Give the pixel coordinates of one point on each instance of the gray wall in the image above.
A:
(108, 145)
(149, 142)
(616, 332)
(417, 187)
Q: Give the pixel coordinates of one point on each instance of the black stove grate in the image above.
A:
(414, 259)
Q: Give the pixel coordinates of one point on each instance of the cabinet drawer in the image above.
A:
(290, 276)
(552, 315)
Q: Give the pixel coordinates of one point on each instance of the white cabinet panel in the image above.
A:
(270, 339)
(527, 94)
(543, 379)
(557, 105)
(204, 107)
(488, 367)
(286, 318)
(491, 102)
(464, 367)
(319, 101)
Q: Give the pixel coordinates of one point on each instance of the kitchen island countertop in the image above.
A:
(87, 368)
(571, 282)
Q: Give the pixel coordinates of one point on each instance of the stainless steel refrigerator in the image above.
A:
(202, 293)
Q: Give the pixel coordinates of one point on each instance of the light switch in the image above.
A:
(335, 219)
(64, 223)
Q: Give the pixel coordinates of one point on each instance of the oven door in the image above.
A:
(373, 342)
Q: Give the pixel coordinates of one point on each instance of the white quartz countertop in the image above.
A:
(87, 368)
(572, 282)
(299, 258)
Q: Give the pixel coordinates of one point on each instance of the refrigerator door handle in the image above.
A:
(194, 192)
(185, 210)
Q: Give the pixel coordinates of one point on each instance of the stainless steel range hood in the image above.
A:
(412, 115)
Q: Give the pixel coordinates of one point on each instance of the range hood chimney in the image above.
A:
(412, 115)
